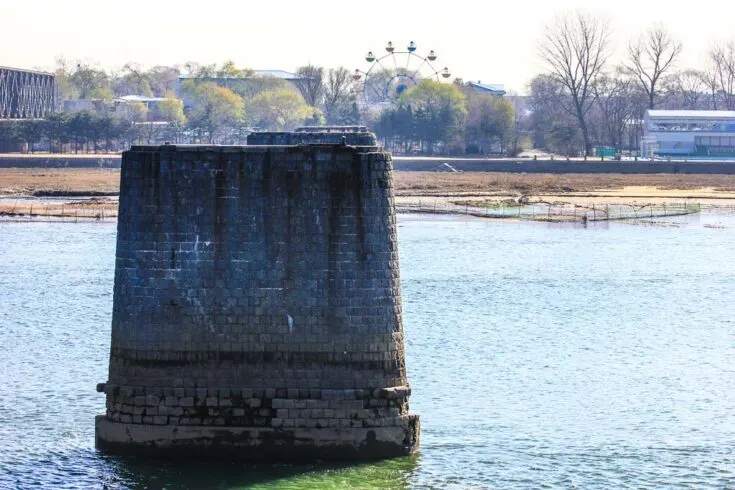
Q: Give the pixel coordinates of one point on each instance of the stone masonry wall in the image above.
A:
(257, 286)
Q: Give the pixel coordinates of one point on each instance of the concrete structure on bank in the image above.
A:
(26, 94)
(257, 306)
(688, 133)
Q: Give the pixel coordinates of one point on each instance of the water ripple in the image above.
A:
(540, 357)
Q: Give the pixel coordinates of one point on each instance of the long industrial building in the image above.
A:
(687, 133)
(26, 94)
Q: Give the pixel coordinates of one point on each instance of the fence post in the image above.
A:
(607, 211)
(665, 213)
(594, 212)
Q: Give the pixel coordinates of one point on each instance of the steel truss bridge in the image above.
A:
(26, 94)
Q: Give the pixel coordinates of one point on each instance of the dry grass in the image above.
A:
(15, 181)
(448, 183)
(27, 181)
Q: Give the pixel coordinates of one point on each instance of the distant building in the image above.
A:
(26, 94)
(283, 75)
(122, 106)
(688, 133)
(487, 88)
(79, 105)
(119, 106)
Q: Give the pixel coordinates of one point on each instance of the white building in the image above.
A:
(688, 133)
(488, 88)
(123, 106)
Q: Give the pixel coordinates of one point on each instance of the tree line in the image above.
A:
(223, 104)
(434, 117)
(583, 100)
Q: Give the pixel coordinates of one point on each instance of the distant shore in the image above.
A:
(541, 165)
(91, 192)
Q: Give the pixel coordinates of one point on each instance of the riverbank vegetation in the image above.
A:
(584, 100)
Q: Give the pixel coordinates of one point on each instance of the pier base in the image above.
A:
(261, 444)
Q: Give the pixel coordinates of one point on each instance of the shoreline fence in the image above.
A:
(71, 211)
(555, 212)
(540, 211)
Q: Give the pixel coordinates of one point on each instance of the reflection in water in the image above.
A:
(126, 472)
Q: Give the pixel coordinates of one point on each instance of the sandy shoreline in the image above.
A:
(425, 190)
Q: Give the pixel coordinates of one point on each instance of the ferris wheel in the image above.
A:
(391, 74)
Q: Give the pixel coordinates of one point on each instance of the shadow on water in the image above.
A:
(135, 472)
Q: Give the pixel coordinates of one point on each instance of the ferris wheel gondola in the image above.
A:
(391, 74)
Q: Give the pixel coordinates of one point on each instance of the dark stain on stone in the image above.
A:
(336, 196)
(356, 184)
(220, 217)
(292, 210)
(268, 220)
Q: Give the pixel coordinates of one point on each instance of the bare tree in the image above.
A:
(722, 57)
(339, 93)
(691, 87)
(311, 84)
(575, 49)
(617, 101)
(650, 57)
(709, 79)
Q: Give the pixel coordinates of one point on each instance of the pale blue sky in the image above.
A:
(495, 42)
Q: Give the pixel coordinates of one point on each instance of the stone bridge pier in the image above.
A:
(257, 304)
